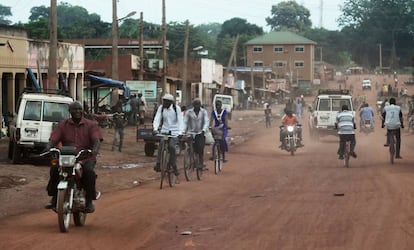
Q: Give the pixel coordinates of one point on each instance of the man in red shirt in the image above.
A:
(290, 119)
(81, 133)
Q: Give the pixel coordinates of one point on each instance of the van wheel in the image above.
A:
(16, 156)
(149, 149)
(10, 151)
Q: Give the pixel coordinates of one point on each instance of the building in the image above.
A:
(24, 65)
(287, 55)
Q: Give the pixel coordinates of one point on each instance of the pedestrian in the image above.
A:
(298, 108)
(119, 123)
(142, 108)
(268, 114)
(134, 110)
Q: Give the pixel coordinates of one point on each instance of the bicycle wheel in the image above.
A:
(198, 166)
(163, 162)
(216, 155)
(171, 176)
(346, 155)
(221, 157)
(188, 166)
(392, 148)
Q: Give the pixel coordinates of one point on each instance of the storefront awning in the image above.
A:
(97, 82)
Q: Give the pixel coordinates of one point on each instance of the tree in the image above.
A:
(4, 13)
(370, 22)
(289, 16)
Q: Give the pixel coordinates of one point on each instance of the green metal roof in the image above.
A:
(280, 37)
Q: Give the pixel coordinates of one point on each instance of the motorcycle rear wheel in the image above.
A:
(79, 218)
(63, 210)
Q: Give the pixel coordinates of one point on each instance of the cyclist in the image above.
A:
(367, 113)
(219, 119)
(169, 120)
(393, 121)
(345, 123)
(196, 121)
(289, 119)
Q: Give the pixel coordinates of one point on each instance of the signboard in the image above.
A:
(147, 88)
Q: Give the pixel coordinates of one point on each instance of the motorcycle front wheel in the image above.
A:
(63, 210)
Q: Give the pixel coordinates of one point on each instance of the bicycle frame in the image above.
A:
(166, 167)
(191, 158)
(392, 137)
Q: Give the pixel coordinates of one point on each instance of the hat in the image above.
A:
(168, 97)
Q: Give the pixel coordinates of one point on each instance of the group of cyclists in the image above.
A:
(169, 119)
(391, 119)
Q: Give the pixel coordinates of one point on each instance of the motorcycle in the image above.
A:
(366, 126)
(71, 194)
(291, 139)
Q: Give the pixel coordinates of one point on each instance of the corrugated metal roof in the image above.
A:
(280, 37)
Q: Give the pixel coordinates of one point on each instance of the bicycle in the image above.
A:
(165, 166)
(346, 153)
(190, 158)
(217, 149)
(392, 136)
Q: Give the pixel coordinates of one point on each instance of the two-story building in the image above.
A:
(287, 55)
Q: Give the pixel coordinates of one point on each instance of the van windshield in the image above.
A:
(224, 100)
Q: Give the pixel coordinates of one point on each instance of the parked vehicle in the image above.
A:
(37, 115)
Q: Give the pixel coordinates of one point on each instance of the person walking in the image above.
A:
(142, 108)
(268, 114)
(119, 123)
(134, 102)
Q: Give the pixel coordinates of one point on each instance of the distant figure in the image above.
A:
(298, 109)
(142, 108)
(268, 114)
(119, 125)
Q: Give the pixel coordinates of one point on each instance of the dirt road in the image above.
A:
(263, 199)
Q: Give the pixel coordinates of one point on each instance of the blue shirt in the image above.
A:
(392, 116)
(367, 113)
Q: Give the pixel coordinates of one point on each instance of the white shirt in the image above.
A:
(194, 123)
(172, 121)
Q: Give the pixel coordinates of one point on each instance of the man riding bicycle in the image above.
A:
(393, 121)
(345, 123)
(169, 120)
(196, 121)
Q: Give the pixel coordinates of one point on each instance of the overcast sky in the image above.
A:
(196, 11)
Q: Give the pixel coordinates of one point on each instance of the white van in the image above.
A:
(227, 102)
(37, 114)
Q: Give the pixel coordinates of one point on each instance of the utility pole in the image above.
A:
(226, 74)
(380, 57)
(164, 51)
(52, 70)
(114, 41)
(141, 48)
(185, 64)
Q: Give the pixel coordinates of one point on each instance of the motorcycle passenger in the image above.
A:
(289, 119)
(196, 121)
(393, 121)
(170, 119)
(81, 133)
(366, 113)
(345, 123)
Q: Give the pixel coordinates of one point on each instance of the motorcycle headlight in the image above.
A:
(67, 160)
(290, 128)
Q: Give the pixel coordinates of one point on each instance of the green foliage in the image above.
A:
(4, 13)
(290, 16)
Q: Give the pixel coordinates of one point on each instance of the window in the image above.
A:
(338, 103)
(325, 105)
(257, 49)
(257, 63)
(32, 111)
(279, 64)
(55, 112)
(278, 49)
(299, 64)
(299, 49)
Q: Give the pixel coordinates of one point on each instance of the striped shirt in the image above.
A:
(345, 121)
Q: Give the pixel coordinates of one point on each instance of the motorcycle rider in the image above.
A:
(345, 123)
(366, 113)
(81, 133)
(289, 119)
(393, 121)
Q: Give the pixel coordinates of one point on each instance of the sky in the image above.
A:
(195, 11)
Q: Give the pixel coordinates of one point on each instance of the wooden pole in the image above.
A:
(226, 74)
(185, 64)
(52, 70)
(114, 41)
(164, 50)
(141, 48)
